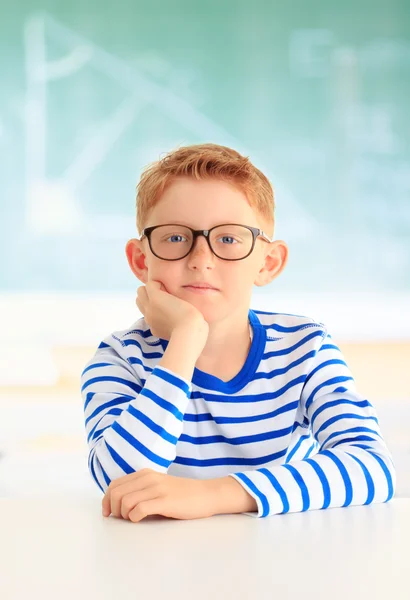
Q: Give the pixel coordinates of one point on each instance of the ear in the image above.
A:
(136, 256)
(274, 261)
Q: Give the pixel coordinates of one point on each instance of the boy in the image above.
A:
(204, 406)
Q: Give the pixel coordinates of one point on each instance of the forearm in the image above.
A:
(230, 497)
(184, 348)
(126, 430)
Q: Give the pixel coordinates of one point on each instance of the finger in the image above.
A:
(142, 295)
(161, 286)
(154, 286)
(142, 300)
(146, 508)
(106, 501)
(130, 501)
(136, 484)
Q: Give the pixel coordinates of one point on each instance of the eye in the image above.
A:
(175, 236)
(228, 237)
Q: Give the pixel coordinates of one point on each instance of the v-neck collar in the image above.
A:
(205, 380)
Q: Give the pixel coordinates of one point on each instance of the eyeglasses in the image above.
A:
(226, 241)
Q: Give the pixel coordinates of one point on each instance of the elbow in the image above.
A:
(388, 467)
(97, 472)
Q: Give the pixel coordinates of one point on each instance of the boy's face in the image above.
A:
(202, 205)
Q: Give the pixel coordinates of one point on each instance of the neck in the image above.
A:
(226, 343)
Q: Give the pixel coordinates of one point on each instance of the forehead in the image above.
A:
(202, 204)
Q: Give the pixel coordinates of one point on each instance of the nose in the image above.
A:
(201, 255)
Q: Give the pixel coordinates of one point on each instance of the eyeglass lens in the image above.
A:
(230, 242)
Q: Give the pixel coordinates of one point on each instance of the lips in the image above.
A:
(200, 286)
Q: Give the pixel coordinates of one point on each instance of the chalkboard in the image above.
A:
(317, 94)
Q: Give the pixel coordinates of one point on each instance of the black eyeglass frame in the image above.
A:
(205, 232)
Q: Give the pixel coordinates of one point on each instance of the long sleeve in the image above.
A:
(352, 465)
(131, 424)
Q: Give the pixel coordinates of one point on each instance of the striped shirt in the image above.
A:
(290, 427)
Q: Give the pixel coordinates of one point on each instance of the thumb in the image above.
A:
(157, 285)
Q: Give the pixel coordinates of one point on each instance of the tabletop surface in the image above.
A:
(62, 547)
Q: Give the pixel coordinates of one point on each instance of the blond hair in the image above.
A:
(204, 161)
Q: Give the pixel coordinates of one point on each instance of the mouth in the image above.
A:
(200, 289)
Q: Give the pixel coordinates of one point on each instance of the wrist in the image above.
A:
(194, 330)
(230, 497)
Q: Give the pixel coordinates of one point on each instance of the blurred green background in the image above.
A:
(316, 93)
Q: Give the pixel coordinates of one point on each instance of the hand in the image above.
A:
(164, 312)
(147, 492)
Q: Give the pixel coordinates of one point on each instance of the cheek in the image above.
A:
(243, 275)
(169, 274)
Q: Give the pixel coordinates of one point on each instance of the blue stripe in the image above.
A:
(96, 366)
(113, 402)
(387, 474)
(363, 446)
(162, 403)
(133, 360)
(284, 329)
(305, 323)
(119, 460)
(299, 480)
(99, 433)
(152, 425)
(88, 398)
(140, 447)
(296, 425)
(275, 483)
(130, 384)
(197, 418)
(333, 361)
(237, 441)
(104, 345)
(290, 349)
(270, 375)
(263, 499)
(143, 333)
(329, 347)
(107, 479)
(325, 384)
(276, 372)
(119, 396)
(344, 474)
(333, 403)
(95, 476)
(113, 411)
(351, 430)
(228, 461)
(147, 355)
(309, 452)
(327, 494)
(295, 449)
(90, 462)
(173, 379)
(336, 418)
(249, 397)
(363, 438)
(369, 480)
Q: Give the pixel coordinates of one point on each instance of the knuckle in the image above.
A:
(160, 488)
(153, 478)
(142, 509)
(127, 504)
(115, 495)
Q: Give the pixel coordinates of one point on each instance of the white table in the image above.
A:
(61, 547)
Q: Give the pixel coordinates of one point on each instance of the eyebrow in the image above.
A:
(182, 222)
